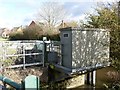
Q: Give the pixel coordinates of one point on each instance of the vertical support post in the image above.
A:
(1, 60)
(23, 56)
(4, 44)
(60, 54)
(91, 81)
(62, 46)
(3, 57)
(44, 53)
(118, 13)
(5, 50)
(92, 78)
(87, 78)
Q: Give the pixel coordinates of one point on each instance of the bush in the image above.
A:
(16, 36)
(55, 37)
(31, 35)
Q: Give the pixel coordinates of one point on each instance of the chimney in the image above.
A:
(62, 24)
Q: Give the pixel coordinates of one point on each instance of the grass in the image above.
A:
(2, 39)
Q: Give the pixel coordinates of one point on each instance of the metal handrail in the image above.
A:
(6, 80)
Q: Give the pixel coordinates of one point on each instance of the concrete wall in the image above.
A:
(66, 48)
(76, 81)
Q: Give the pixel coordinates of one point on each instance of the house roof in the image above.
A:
(14, 28)
(20, 28)
(5, 32)
(34, 23)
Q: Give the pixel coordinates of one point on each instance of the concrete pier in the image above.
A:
(94, 78)
(91, 78)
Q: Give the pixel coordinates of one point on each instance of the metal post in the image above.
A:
(62, 46)
(23, 56)
(3, 45)
(3, 53)
(118, 13)
(44, 53)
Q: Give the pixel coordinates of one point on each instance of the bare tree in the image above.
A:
(51, 13)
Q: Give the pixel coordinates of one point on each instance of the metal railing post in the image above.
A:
(44, 54)
(23, 56)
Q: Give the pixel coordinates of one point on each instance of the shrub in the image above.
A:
(54, 37)
(16, 36)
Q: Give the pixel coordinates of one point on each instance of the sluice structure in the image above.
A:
(83, 51)
(80, 52)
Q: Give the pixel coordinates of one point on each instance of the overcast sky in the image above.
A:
(21, 12)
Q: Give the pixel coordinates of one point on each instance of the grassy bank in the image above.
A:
(2, 39)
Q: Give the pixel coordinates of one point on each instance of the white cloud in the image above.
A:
(33, 3)
(77, 18)
(12, 15)
(21, 12)
(79, 0)
(105, 0)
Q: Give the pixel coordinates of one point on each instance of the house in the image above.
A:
(1, 31)
(17, 29)
(5, 32)
(36, 25)
(33, 24)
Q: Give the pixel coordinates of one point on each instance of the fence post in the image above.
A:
(3, 51)
(23, 56)
(44, 53)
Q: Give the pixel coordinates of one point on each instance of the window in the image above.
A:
(65, 35)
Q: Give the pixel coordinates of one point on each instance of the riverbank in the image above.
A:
(102, 77)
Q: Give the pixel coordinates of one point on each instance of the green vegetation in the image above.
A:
(33, 33)
(8, 60)
(2, 39)
(16, 36)
(107, 17)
